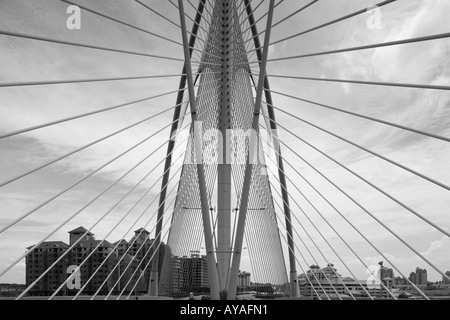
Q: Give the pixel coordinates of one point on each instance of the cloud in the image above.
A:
(438, 247)
(423, 63)
(29, 106)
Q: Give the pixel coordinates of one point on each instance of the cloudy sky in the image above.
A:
(427, 110)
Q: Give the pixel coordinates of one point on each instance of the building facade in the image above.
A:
(189, 274)
(244, 280)
(39, 260)
(96, 266)
(399, 281)
(412, 277)
(419, 277)
(386, 273)
(327, 283)
(444, 279)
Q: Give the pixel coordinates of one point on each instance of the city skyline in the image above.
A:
(85, 264)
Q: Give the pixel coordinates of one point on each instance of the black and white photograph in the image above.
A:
(222, 158)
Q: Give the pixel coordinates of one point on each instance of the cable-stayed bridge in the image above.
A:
(221, 146)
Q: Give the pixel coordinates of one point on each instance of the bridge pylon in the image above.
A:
(225, 63)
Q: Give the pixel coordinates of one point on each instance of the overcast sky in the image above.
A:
(427, 110)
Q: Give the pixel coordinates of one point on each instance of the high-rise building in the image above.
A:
(386, 273)
(243, 279)
(316, 273)
(141, 250)
(421, 276)
(412, 277)
(189, 274)
(195, 272)
(174, 278)
(122, 246)
(327, 282)
(444, 279)
(399, 281)
(78, 233)
(39, 260)
(95, 262)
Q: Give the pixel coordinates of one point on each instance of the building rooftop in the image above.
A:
(347, 279)
(329, 268)
(81, 230)
(51, 244)
(94, 243)
(143, 231)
